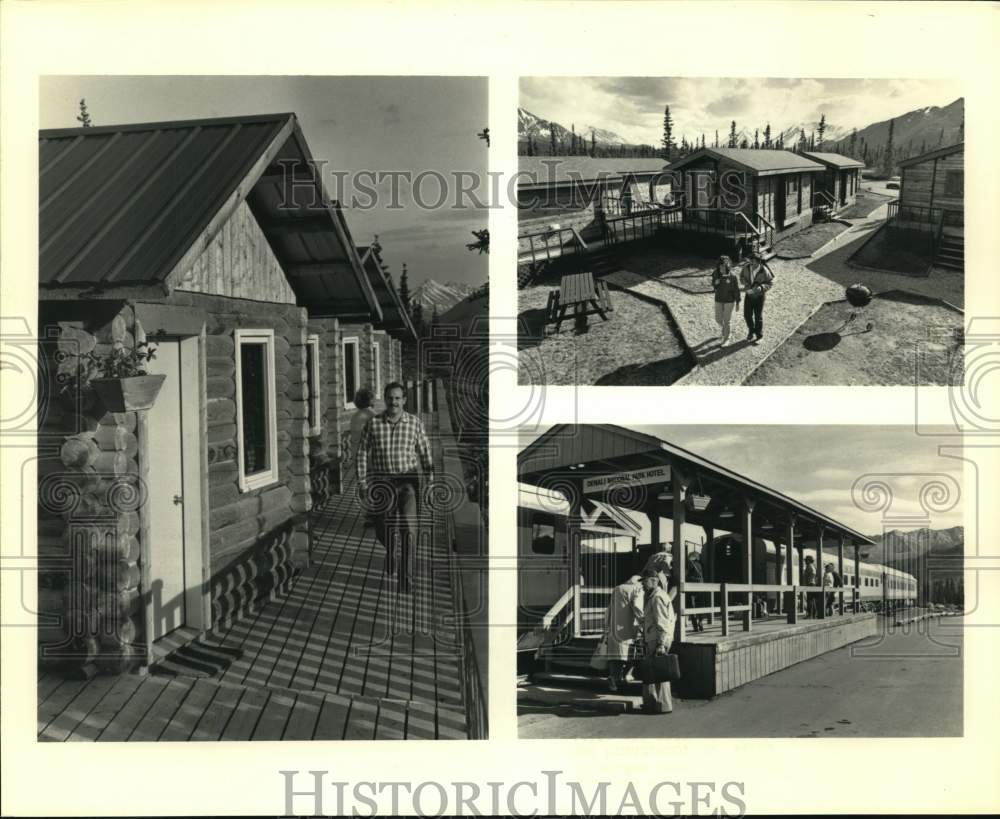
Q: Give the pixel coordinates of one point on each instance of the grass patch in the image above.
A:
(898, 251)
(806, 242)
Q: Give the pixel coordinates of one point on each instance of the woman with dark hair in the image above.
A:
(727, 295)
(658, 624)
(363, 402)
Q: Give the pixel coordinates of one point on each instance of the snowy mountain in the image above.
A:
(831, 134)
(539, 129)
(433, 294)
(915, 131)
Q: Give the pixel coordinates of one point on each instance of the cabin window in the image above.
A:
(793, 184)
(954, 184)
(312, 382)
(377, 367)
(352, 374)
(256, 419)
(543, 538)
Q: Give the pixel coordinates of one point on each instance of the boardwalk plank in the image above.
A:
(58, 700)
(133, 711)
(271, 725)
(191, 710)
(66, 721)
(305, 713)
(216, 716)
(244, 720)
(333, 717)
(100, 716)
(160, 715)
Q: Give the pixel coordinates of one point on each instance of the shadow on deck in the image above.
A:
(341, 656)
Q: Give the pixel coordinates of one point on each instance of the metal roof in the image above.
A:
(834, 160)
(130, 206)
(543, 171)
(758, 162)
(638, 450)
(936, 153)
(395, 317)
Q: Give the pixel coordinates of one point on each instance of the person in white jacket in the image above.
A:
(622, 621)
(658, 622)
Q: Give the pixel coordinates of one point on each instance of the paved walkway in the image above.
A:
(903, 682)
(342, 656)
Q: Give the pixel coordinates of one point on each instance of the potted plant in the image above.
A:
(120, 379)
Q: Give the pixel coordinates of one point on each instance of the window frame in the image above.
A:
(376, 366)
(953, 177)
(313, 383)
(258, 480)
(344, 342)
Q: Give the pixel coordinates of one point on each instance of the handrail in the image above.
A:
(557, 608)
(825, 195)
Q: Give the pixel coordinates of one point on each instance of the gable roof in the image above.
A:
(758, 162)
(395, 317)
(544, 171)
(600, 449)
(126, 208)
(935, 154)
(834, 160)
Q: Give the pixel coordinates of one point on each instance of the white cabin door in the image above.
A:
(174, 487)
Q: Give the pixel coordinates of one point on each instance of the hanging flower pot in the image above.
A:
(137, 392)
(695, 499)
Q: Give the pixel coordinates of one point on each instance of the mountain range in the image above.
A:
(432, 294)
(900, 546)
(927, 127)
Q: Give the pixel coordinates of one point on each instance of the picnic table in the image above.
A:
(578, 293)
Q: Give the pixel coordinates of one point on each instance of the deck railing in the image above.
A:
(637, 225)
(551, 243)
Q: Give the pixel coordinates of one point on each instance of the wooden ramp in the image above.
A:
(342, 656)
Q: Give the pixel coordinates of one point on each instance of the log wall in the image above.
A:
(918, 182)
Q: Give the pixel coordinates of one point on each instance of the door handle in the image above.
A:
(178, 500)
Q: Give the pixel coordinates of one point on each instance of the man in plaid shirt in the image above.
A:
(392, 446)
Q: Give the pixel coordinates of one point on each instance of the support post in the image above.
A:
(574, 551)
(802, 568)
(708, 564)
(746, 522)
(840, 571)
(679, 484)
(820, 572)
(857, 577)
(789, 579)
(793, 613)
(725, 609)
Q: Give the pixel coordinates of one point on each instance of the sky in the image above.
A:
(818, 465)
(382, 124)
(632, 107)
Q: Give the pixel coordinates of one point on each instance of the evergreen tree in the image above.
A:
(552, 141)
(744, 144)
(404, 288)
(812, 141)
(889, 156)
(821, 129)
(732, 134)
(84, 116)
(668, 133)
(802, 140)
(593, 143)
(716, 138)
(852, 150)
(703, 140)
(756, 138)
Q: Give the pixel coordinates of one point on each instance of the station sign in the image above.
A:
(637, 477)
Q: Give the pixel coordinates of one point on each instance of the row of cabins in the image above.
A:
(266, 317)
(723, 195)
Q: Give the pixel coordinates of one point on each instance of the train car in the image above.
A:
(899, 586)
(546, 562)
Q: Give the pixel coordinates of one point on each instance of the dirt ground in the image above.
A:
(912, 340)
(636, 346)
(905, 253)
(867, 202)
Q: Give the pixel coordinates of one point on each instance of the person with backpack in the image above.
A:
(756, 279)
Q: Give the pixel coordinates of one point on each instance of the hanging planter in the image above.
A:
(697, 501)
(119, 378)
(137, 392)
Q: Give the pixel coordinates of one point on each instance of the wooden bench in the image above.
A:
(579, 293)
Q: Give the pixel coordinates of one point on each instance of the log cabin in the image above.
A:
(741, 193)
(837, 187)
(163, 516)
(932, 201)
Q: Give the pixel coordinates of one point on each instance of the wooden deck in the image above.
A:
(342, 656)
